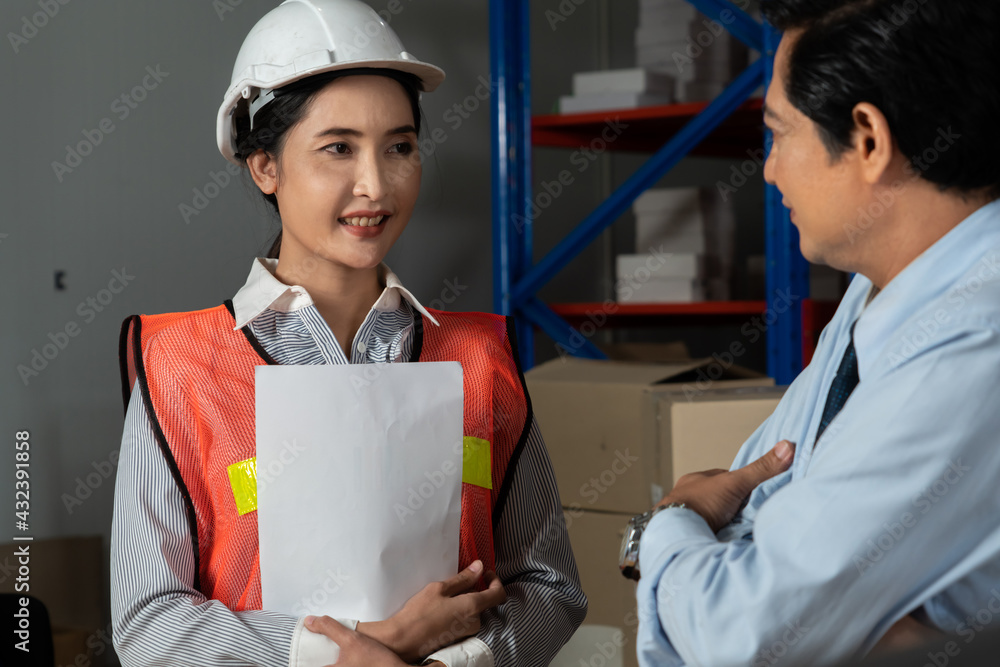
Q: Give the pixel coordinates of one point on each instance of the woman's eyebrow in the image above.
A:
(340, 132)
(348, 132)
(404, 129)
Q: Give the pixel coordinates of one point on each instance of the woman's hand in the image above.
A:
(356, 650)
(441, 614)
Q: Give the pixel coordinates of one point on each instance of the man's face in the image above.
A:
(823, 195)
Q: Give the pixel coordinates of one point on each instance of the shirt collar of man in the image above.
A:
(956, 257)
(263, 292)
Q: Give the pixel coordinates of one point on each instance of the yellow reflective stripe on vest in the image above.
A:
(477, 466)
(477, 469)
(243, 478)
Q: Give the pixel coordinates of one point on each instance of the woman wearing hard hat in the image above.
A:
(323, 112)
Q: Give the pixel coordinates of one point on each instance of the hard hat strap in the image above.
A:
(263, 97)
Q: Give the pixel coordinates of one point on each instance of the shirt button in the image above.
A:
(362, 347)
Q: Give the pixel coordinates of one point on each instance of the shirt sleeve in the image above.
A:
(158, 617)
(545, 603)
(864, 536)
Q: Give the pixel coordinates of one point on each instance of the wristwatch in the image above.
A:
(628, 559)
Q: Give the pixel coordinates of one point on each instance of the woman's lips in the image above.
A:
(363, 226)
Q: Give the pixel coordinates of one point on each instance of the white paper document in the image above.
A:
(359, 476)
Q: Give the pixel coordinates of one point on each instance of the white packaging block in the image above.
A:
(687, 220)
(650, 228)
(661, 290)
(661, 264)
(634, 80)
(611, 101)
(672, 62)
(696, 243)
(659, 200)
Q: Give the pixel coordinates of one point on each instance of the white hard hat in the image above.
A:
(300, 38)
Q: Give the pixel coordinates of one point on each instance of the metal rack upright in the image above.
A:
(517, 278)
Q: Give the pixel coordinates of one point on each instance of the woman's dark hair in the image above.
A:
(290, 104)
(929, 65)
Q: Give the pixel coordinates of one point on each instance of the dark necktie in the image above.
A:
(842, 386)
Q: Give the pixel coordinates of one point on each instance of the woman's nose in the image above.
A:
(370, 181)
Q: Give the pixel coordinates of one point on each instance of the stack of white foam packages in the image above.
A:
(617, 89)
(673, 38)
(685, 241)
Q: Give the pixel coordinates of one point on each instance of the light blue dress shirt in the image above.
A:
(895, 509)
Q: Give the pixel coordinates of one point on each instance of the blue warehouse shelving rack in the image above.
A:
(724, 126)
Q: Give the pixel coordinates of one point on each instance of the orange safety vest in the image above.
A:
(196, 377)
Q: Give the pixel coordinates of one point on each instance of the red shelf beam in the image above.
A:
(653, 314)
(815, 315)
(646, 129)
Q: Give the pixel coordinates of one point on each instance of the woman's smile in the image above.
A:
(364, 227)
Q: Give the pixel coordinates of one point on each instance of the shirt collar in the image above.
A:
(927, 278)
(263, 291)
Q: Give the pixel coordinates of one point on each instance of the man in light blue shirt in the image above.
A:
(874, 488)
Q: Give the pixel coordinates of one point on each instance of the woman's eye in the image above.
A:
(404, 148)
(339, 149)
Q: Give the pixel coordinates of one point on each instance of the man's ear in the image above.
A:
(264, 171)
(872, 141)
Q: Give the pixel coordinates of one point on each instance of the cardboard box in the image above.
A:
(601, 425)
(706, 431)
(608, 635)
(652, 353)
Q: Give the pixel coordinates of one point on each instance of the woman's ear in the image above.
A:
(873, 141)
(264, 171)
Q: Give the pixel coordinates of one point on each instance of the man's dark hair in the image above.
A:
(931, 66)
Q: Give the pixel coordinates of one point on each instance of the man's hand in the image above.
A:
(356, 650)
(718, 494)
(907, 633)
(441, 614)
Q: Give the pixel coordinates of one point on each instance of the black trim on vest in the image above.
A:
(418, 335)
(251, 338)
(161, 439)
(123, 359)
(508, 478)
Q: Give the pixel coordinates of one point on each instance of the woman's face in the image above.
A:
(348, 176)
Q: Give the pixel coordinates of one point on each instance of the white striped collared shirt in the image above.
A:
(160, 619)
